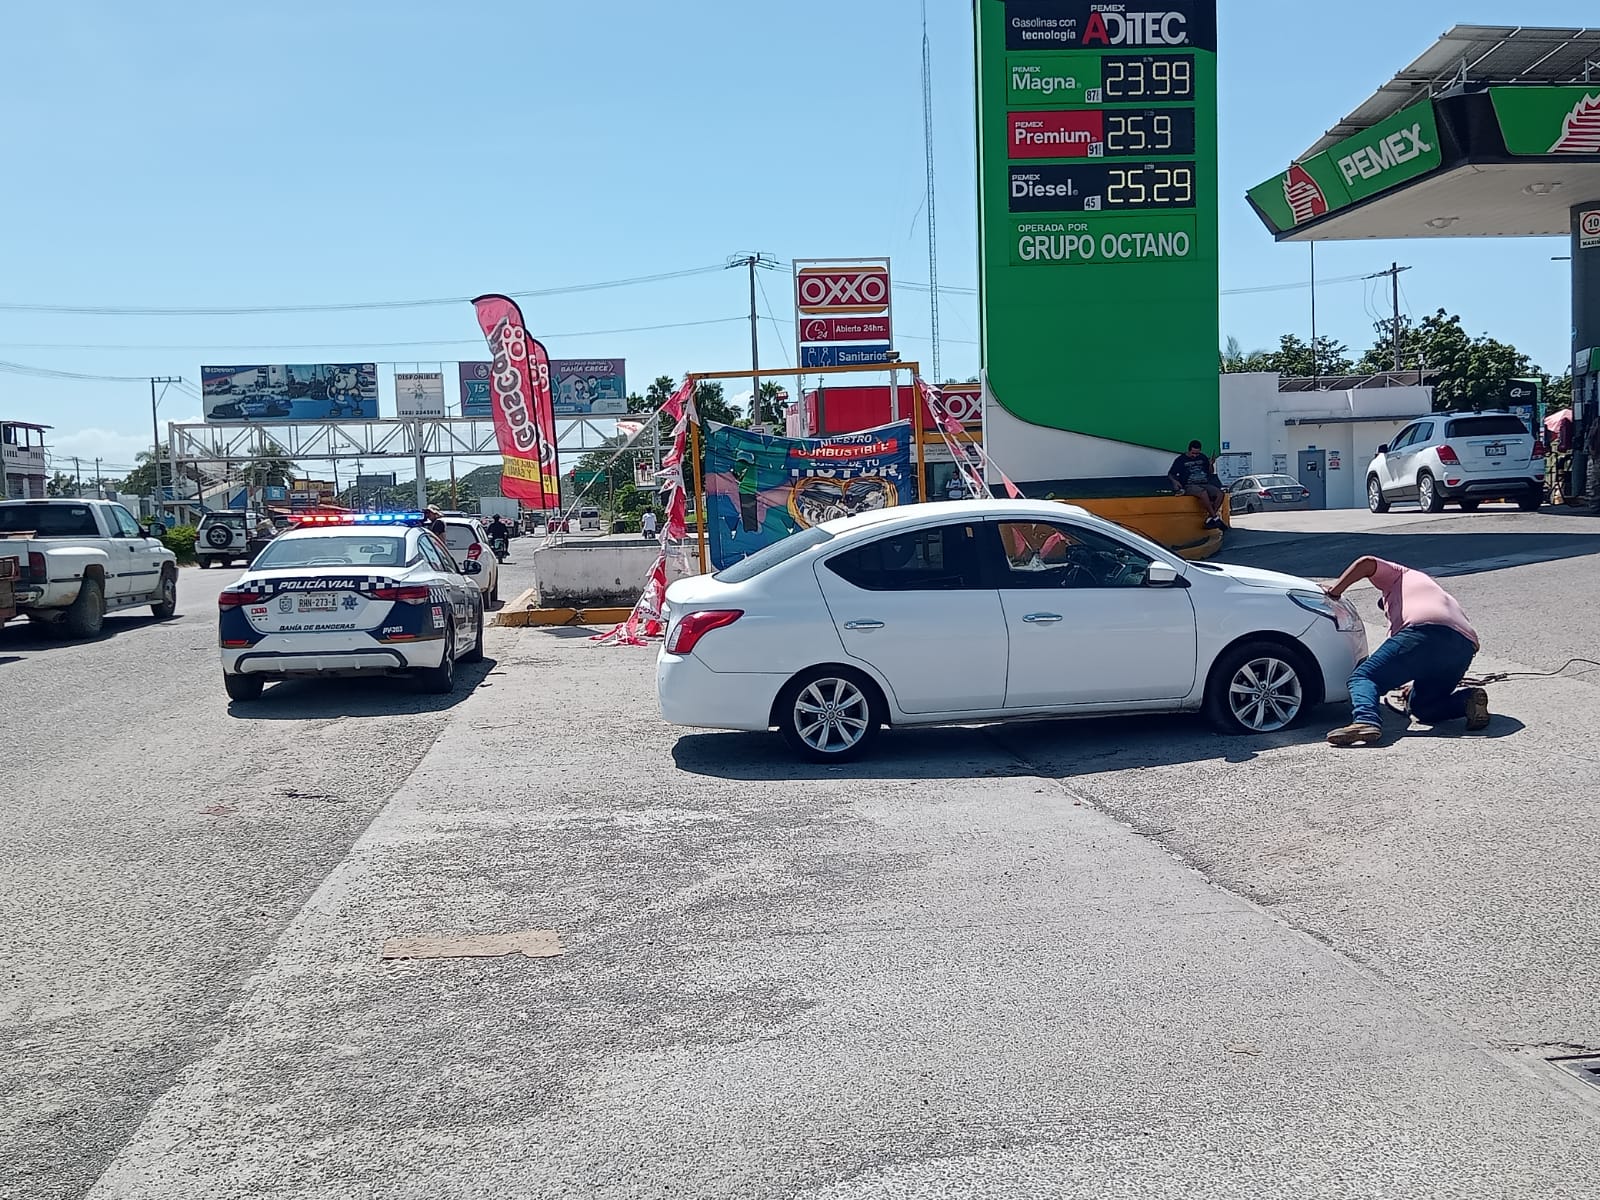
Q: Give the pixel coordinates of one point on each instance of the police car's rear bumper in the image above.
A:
(360, 654)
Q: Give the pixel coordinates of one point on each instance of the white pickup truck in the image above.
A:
(79, 559)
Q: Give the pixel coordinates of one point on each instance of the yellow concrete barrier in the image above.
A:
(524, 611)
(1176, 522)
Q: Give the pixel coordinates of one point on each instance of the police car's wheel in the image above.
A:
(243, 687)
(476, 653)
(441, 680)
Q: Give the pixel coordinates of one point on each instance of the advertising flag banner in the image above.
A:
(290, 393)
(419, 394)
(523, 410)
(760, 488)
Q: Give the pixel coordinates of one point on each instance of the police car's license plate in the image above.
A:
(325, 603)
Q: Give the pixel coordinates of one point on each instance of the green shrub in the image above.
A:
(180, 540)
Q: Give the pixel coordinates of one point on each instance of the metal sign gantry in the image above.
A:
(230, 443)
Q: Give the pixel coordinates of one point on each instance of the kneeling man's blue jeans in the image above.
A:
(1432, 658)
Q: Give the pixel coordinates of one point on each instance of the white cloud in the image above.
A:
(114, 448)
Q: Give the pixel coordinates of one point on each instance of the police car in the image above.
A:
(356, 594)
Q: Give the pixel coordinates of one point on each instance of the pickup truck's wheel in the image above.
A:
(441, 680)
(86, 616)
(243, 687)
(167, 607)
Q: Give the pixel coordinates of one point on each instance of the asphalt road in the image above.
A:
(1109, 958)
(156, 843)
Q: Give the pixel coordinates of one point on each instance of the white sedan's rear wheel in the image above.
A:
(830, 714)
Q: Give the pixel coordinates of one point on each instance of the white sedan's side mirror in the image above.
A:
(1160, 574)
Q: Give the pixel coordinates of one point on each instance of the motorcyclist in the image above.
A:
(499, 536)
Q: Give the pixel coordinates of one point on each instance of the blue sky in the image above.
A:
(204, 155)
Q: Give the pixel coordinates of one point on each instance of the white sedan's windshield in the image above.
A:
(357, 549)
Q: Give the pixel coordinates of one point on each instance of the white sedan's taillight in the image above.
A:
(687, 633)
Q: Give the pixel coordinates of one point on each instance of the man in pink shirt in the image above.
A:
(1430, 645)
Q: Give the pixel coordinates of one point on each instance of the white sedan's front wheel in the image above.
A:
(829, 714)
(1259, 687)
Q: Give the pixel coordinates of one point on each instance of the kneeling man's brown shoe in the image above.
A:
(1355, 735)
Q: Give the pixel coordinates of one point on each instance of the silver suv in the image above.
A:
(223, 537)
(1462, 457)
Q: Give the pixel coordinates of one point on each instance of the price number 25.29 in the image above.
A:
(1169, 186)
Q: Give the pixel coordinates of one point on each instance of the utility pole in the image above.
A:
(751, 262)
(933, 227)
(99, 483)
(1393, 276)
(155, 439)
(77, 471)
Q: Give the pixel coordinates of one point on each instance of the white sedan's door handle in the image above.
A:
(857, 626)
(1042, 618)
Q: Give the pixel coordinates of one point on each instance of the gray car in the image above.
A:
(1268, 493)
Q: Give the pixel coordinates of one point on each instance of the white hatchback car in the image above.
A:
(1463, 457)
(468, 541)
(987, 609)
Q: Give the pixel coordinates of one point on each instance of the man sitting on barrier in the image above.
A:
(1193, 475)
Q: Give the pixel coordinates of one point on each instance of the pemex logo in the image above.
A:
(1304, 196)
(1580, 129)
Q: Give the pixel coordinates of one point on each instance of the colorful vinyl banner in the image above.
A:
(524, 411)
(759, 489)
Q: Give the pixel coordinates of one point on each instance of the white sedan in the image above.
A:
(989, 609)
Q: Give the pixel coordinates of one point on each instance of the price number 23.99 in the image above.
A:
(1155, 186)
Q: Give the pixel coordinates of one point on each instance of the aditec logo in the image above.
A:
(1304, 197)
(1114, 25)
(1580, 129)
(820, 291)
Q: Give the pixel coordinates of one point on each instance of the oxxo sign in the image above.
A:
(843, 309)
(822, 291)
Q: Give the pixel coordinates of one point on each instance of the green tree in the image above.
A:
(1234, 358)
(1467, 372)
(1558, 394)
(61, 484)
(141, 481)
(709, 399)
(771, 410)
(1294, 359)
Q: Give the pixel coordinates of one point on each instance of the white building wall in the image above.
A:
(1272, 427)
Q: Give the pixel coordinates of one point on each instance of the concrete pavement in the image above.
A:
(1097, 958)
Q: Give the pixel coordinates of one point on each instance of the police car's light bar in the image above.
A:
(379, 518)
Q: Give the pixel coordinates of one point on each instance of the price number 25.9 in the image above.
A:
(1155, 186)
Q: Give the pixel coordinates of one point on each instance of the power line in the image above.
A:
(477, 341)
(117, 310)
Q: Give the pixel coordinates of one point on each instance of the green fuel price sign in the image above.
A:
(1097, 146)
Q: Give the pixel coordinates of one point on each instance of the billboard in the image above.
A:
(843, 311)
(475, 399)
(419, 394)
(759, 488)
(286, 394)
(582, 387)
(1097, 161)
